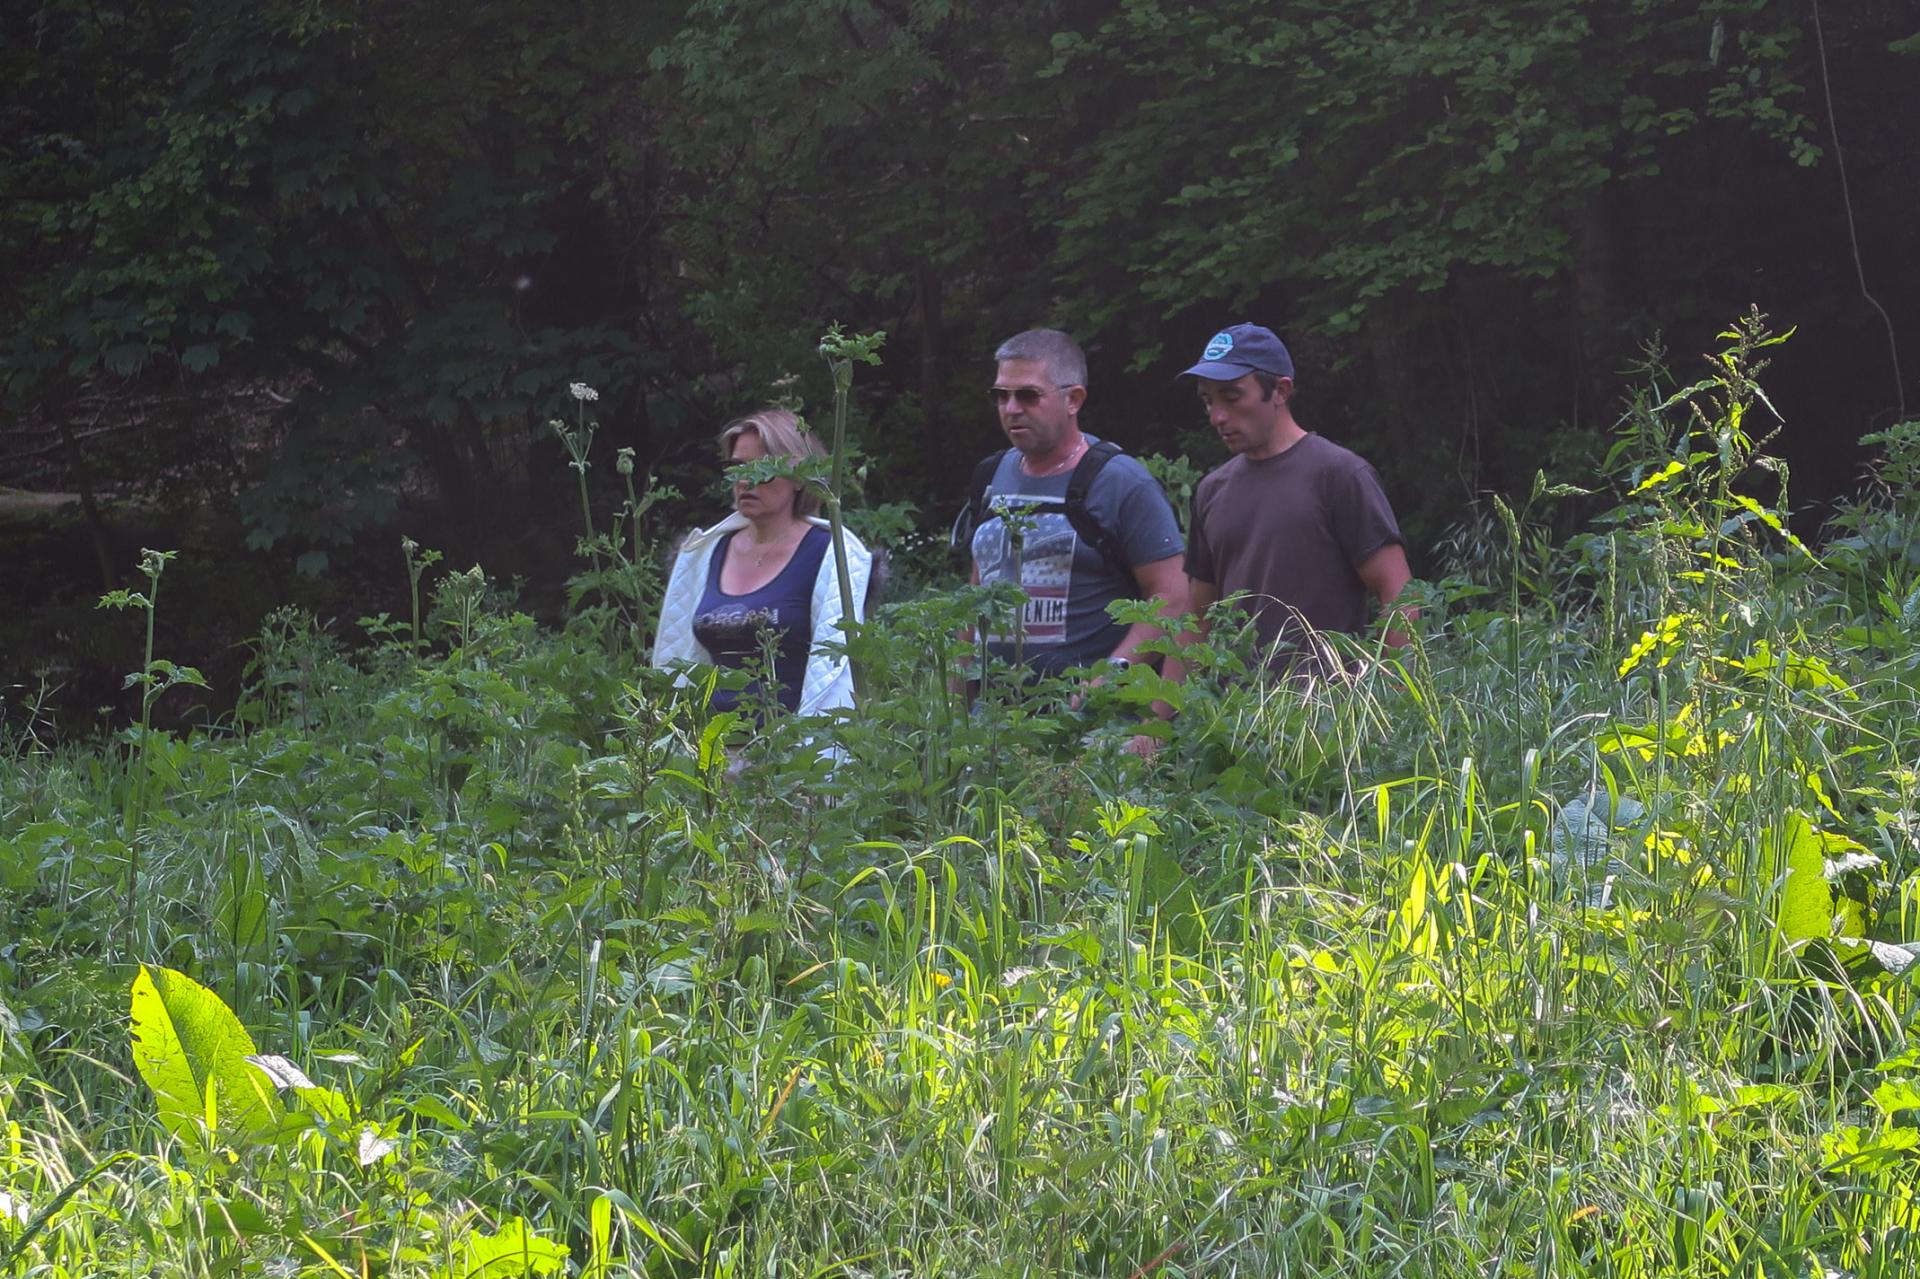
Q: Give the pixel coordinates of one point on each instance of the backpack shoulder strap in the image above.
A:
(976, 508)
(1080, 515)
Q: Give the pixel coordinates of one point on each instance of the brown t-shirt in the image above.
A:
(1291, 530)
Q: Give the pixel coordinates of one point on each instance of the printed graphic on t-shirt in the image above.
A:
(731, 625)
(1040, 558)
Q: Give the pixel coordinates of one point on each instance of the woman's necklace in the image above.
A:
(1063, 463)
(763, 551)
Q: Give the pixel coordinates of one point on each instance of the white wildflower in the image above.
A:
(581, 391)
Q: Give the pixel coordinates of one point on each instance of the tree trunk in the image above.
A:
(932, 341)
(453, 479)
(1593, 290)
(105, 548)
(1391, 377)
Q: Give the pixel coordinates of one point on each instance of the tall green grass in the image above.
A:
(1569, 941)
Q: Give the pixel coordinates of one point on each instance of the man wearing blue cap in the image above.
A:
(1297, 522)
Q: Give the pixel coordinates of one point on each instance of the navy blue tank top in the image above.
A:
(735, 629)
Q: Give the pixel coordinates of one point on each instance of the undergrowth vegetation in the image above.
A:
(1570, 940)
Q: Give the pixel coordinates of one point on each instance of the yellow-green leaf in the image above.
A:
(192, 1051)
(514, 1253)
(1660, 476)
(1806, 899)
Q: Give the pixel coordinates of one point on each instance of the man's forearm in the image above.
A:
(1201, 597)
(1386, 574)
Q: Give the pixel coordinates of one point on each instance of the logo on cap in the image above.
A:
(1222, 343)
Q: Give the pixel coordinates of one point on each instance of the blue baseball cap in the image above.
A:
(1241, 349)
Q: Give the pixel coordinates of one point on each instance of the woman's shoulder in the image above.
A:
(701, 539)
(854, 545)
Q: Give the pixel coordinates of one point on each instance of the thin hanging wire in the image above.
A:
(1846, 194)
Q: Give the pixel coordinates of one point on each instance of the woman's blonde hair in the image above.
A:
(781, 435)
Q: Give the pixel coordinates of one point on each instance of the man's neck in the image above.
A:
(1055, 459)
(1284, 437)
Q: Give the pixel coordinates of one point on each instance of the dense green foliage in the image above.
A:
(1570, 940)
(414, 223)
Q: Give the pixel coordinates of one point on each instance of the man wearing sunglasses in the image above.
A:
(1076, 523)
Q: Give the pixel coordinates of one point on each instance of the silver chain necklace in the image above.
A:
(1062, 464)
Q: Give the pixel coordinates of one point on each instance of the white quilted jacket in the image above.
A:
(828, 683)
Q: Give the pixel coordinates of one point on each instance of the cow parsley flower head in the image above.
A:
(581, 391)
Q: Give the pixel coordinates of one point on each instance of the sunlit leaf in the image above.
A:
(1805, 909)
(1661, 476)
(192, 1052)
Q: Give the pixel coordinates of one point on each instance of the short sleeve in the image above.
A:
(1359, 512)
(1200, 565)
(1129, 501)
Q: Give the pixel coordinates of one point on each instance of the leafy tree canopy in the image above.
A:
(415, 224)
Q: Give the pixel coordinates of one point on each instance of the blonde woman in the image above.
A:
(764, 576)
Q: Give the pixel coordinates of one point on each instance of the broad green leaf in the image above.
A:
(1896, 1095)
(600, 1236)
(1806, 899)
(242, 905)
(1762, 1094)
(1414, 908)
(192, 1051)
(1852, 1148)
(328, 1106)
(513, 1253)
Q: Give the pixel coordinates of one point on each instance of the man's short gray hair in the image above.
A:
(1059, 354)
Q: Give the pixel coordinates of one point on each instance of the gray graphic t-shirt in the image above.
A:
(1068, 582)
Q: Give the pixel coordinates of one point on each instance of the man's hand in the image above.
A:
(1112, 665)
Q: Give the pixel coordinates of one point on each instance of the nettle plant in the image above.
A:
(1875, 550)
(622, 584)
(1748, 774)
(148, 755)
